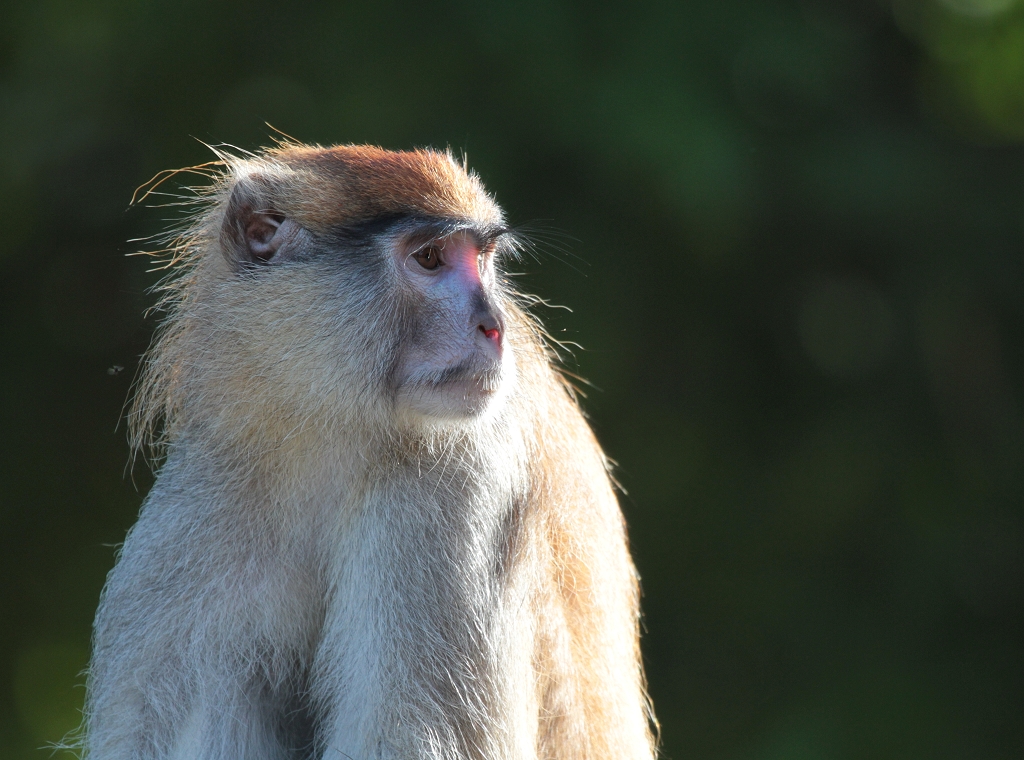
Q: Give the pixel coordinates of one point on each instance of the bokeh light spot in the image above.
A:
(979, 8)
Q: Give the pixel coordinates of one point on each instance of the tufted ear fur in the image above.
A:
(254, 232)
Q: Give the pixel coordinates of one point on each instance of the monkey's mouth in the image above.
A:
(466, 374)
(458, 391)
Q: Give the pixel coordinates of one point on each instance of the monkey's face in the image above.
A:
(397, 319)
(453, 360)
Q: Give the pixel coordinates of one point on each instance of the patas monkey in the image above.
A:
(382, 528)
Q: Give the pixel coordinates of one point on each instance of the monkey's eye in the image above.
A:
(429, 257)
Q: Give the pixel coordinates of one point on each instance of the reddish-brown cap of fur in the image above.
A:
(348, 184)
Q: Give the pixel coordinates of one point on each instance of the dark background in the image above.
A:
(791, 233)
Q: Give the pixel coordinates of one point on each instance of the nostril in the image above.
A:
(492, 334)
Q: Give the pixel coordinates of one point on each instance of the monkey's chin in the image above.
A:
(454, 396)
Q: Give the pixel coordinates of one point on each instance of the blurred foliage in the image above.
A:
(791, 232)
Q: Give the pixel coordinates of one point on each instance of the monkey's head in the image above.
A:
(350, 281)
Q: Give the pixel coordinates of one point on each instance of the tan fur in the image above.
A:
(588, 651)
(280, 437)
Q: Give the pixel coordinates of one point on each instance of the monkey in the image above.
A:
(381, 527)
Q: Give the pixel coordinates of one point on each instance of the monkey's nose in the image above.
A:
(491, 329)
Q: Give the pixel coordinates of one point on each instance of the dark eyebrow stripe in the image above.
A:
(369, 228)
(419, 225)
(492, 234)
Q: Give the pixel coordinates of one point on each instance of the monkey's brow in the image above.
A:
(495, 233)
(437, 228)
(424, 227)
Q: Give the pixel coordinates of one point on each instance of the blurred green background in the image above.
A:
(791, 234)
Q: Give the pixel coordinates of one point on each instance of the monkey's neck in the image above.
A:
(421, 596)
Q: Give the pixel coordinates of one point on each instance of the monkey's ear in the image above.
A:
(253, 231)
